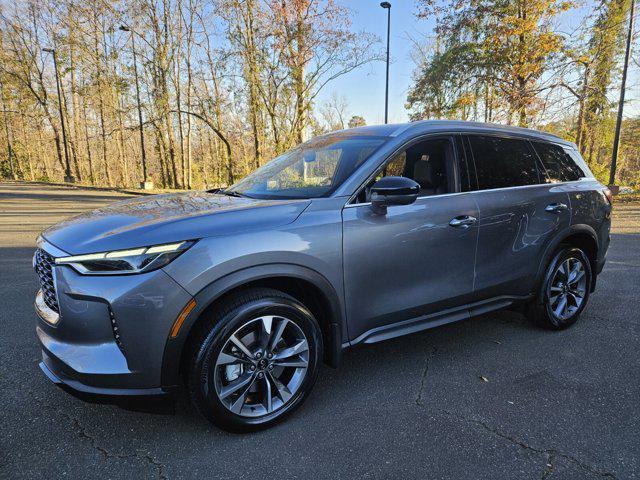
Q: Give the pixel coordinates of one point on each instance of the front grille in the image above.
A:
(43, 263)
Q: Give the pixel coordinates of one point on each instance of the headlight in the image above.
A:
(118, 262)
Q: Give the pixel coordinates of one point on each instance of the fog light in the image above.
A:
(43, 310)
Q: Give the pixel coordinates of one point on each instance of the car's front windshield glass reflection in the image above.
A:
(314, 169)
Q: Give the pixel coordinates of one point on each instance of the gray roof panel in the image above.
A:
(426, 126)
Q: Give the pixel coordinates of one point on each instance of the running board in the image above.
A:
(433, 320)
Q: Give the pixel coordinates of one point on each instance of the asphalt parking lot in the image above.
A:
(556, 405)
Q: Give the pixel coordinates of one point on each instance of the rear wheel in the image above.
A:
(255, 360)
(565, 290)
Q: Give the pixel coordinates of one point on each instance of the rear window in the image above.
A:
(503, 162)
(559, 165)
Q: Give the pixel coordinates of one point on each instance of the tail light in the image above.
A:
(609, 195)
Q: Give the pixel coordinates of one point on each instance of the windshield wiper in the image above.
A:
(230, 193)
(233, 193)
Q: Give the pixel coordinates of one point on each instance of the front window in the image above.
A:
(314, 169)
(431, 163)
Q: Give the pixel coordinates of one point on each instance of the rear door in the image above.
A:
(564, 164)
(519, 214)
(411, 261)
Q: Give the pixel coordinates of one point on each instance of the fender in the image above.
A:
(208, 295)
(558, 239)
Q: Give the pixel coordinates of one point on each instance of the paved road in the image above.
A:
(556, 405)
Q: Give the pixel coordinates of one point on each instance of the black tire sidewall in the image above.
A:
(563, 254)
(207, 400)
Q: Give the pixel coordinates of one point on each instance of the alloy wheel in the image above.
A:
(261, 366)
(568, 288)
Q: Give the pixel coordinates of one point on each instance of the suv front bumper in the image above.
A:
(110, 333)
(72, 385)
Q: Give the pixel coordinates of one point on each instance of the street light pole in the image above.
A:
(146, 184)
(616, 139)
(387, 6)
(68, 177)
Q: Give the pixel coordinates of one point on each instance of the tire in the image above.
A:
(266, 389)
(548, 310)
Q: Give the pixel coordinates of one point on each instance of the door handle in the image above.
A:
(463, 221)
(556, 207)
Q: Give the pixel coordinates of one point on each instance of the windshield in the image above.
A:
(314, 169)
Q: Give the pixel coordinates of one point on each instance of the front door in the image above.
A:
(416, 259)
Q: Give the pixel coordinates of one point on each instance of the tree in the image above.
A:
(334, 112)
(604, 49)
(487, 52)
(224, 85)
(357, 121)
(319, 47)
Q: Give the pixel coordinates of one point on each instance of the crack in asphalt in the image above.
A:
(548, 471)
(423, 377)
(551, 453)
(140, 454)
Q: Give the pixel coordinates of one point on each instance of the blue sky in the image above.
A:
(363, 89)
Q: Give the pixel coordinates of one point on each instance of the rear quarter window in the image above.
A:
(559, 164)
(503, 162)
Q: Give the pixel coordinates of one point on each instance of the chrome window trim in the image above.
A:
(351, 205)
(518, 187)
(482, 128)
(461, 133)
(516, 135)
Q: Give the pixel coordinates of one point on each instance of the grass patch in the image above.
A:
(627, 198)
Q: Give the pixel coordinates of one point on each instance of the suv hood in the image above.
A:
(159, 219)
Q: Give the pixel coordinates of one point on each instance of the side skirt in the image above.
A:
(433, 320)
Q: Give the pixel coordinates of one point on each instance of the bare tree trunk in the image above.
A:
(297, 50)
(27, 148)
(7, 128)
(189, 26)
(581, 111)
(75, 142)
(92, 175)
(252, 79)
(48, 169)
(101, 106)
(121, 146)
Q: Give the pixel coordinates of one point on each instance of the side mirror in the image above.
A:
(390, 191)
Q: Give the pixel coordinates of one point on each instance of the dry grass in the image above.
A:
(627, 198)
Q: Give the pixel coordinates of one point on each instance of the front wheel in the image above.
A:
(565, 290)
(255, 360)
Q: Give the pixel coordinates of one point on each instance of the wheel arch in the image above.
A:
(579, 235)
(304, 284)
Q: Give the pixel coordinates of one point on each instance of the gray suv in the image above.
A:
(353, 237)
